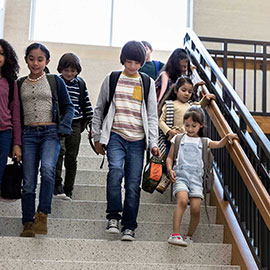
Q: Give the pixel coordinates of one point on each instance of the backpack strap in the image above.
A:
(11, 92)
(82, 87)
(204, 151)
(178, 139)
(52, 82)
(157, 66)
(20, 81)
(146, 86)
(53, 85)
(169, 113)
(114, 77)
(205, 166)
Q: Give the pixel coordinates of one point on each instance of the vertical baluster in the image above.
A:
(244, 79)
(234, 72)
(264, 80)
(255, 81)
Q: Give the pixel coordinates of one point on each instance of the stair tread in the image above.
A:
(112, 251)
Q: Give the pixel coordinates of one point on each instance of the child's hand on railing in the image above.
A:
(231, 136)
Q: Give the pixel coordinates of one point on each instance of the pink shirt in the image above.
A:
(10, 119)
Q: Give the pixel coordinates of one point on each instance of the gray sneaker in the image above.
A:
(112, 226)
(128, 235)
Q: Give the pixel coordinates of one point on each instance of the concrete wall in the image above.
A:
(239, 19)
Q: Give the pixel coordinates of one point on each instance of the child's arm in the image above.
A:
(162, 120)
(219, 144)
(169, 164)
(205, 100)
(97, 119)
(164, 84)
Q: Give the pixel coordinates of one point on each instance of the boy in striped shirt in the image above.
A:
(69, 66)
(129, 127)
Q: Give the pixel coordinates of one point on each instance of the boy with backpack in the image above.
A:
(125, 123)
(69, 66)
(150, 67)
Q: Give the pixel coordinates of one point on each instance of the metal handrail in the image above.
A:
(237, 102)
(244, 172)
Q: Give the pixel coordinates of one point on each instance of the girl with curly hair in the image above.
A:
(10, 125)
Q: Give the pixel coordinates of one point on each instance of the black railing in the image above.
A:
(245, 63)
(255, 145)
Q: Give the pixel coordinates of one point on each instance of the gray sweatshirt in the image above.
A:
(102, 127)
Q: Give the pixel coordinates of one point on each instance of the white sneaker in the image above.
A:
(112, 226)
(177, 240)
(188, 239)
(61, 196)
(128, 235)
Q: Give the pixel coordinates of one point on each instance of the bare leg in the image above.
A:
(182, 201)
(195, 207)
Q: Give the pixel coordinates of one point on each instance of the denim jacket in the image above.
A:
(62, 107)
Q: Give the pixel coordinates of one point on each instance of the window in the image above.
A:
(110, 22)
(2, 17)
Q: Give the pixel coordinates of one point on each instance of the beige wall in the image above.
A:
(217, 18)
(97, 61)
(241, 19)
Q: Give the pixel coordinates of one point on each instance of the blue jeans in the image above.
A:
(125, 160)
(40, 144)
(5, 145)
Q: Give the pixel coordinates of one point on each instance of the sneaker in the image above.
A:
(59, 193)
(113, 226)
(128, 235)
(41, 223)
(176, 239)
(188, 239)
(68, 196)
(28, 230)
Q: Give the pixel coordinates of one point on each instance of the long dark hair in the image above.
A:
(197, 115)
(11, 67)
(172, 65)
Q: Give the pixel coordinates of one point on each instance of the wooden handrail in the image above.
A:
(252, 181)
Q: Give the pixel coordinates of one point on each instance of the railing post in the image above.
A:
(264, 80)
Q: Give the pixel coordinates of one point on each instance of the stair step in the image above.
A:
(91, 177)
(86, 150)
(148, 212)
(98, 193)
(91, 163)
(78, 265)
(113, 251)
(95, 229)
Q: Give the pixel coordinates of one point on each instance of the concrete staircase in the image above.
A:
(76, 238)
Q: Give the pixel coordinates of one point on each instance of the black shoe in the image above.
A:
(69, 195)
(59, 192)
(128, 235)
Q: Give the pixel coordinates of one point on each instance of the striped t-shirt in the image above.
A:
(74, 91)
(128, 96)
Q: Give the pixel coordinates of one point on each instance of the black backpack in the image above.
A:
(114, 76)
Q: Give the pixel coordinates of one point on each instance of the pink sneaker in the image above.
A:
(177, 239)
